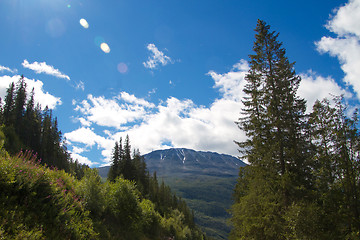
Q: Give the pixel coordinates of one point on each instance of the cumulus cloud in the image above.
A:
(346, 46)
(315, 87)
(156, 57)
(41, 96)
(85, 136)
(42, 67)
(114, 112)
(232, 83)
(82, 159)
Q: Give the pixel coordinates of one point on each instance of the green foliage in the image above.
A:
(40, 203)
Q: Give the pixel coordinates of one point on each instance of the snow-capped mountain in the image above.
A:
(186, 161)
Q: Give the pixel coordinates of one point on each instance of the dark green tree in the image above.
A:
(279, 174)
(335, 138)
(129, 170)
(19, 107)
(114, 171)
(9, 105)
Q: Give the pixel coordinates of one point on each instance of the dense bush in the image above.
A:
(39, 203)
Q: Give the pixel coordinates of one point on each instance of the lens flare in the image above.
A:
(84, 23)
(105, 47)
(122, 67)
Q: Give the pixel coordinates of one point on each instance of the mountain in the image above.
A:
(204, 179)
(181, 161)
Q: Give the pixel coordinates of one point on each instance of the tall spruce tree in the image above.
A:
(274, 121)
(19, 106)
(9, 105)
(114, 171)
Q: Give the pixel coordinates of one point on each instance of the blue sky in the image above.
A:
(168, 72)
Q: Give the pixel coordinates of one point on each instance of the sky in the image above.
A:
(168, 73)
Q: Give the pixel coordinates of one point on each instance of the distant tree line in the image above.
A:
(26, 126)
(303, 177)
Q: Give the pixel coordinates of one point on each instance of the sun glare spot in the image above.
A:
(122, 67)
(105, 47)
(69, 6)
(84, 23)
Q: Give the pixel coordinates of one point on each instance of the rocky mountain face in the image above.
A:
(181, 161)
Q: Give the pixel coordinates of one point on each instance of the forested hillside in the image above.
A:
(303, 177)
(46, 195)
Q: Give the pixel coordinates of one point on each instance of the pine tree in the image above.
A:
(274, 122)
(128, 165)
(9, 105)
(114, 171)
(19, 107)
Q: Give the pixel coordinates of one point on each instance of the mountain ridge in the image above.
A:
(184, 161)
(188, 161)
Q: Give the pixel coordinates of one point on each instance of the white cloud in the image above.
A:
(78, 150)
(88, 138)
(114, 112)
(42, 97)
(346, 21)
(42, 67)
(3, 68)
(129, 98)
(85, 136)
(82, 159)
(231, 84)
(156, 58)
(346, 46)
(314, 87)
